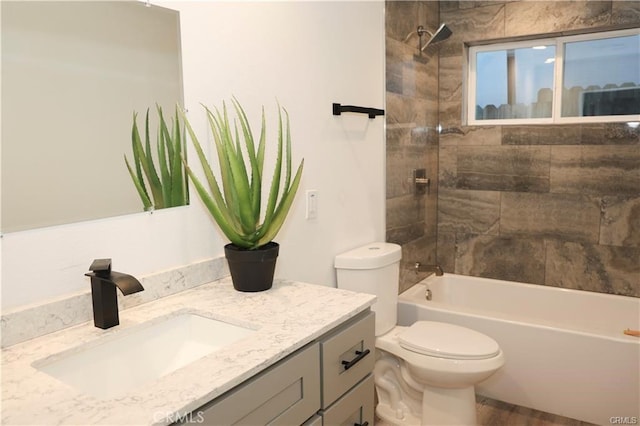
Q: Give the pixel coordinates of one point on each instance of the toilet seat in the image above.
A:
(447, 341)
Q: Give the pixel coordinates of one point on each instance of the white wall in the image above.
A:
(304, 54)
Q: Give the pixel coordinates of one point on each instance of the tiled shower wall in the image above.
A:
(549, 204)
(412, 137)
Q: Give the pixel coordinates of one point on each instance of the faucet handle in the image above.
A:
(101, 267)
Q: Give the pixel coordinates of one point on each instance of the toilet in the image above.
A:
(424, 373)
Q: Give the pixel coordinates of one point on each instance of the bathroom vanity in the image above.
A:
(304, 361)
(331, 377)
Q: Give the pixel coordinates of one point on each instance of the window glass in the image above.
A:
(515, 83)
(583, 78)
(601, 77)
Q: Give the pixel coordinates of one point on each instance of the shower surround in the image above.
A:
(556, 205)
(412, 136)
(551, 205)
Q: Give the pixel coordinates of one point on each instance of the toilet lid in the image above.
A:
(447, 341)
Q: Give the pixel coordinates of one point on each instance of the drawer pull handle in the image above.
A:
(359, 356)
(361, 424)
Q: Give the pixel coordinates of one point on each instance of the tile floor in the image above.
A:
(498, 413)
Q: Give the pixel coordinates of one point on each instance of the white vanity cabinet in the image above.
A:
(327, 382)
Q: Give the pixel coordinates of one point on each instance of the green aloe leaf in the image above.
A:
(216, 213)
(165, 174)
(275, 180)
(214, 188)
(178, 187)
(283, 209)
(168, 187)
(254, 160)
(140, 187)
(148, 166)
(236, 204)
(135, 142)
(238, 182)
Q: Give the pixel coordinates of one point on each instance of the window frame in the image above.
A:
(556, 117)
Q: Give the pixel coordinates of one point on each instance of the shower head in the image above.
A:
(441, 34)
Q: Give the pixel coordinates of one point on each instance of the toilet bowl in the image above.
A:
(433, 367)
(425, 373)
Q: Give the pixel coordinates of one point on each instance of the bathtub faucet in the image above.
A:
(419, 267)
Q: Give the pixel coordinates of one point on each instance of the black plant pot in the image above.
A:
(252, 270)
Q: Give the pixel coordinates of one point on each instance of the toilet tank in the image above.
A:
(373, 269)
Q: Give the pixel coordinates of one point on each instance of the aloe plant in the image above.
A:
(237, 205)
(165, 185)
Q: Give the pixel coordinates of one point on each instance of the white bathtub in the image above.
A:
(565, 349)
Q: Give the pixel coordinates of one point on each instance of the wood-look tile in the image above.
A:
(592, 170)
(397, 174)
(450, 79)
(401, 17)
(393, 67)
(491, 412)
(401, 161)
(407, 73)
(429, 13)
(476, 212)
(425, 76)
(503, 168)
(573, 134)
(404, 234)
(405, 210)
(625, 12)
(447, 167)
(398, 136)
(477, 23)
(448, 6)
(591, 267)
(541, 135)
(569, 216)
(513, 259)
(471, 136)
(446, 253)
(450, 116)
(407, 111)
(620, 221)
(539, 17)
(598, 170)
(418, 250)
(609, 134)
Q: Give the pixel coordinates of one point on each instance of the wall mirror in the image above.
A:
(73, 73)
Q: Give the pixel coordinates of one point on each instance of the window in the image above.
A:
(585, 78)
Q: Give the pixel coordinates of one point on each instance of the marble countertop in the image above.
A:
(287, 317)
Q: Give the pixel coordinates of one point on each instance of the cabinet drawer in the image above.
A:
(354, 408)
(316, 420)
(347, 357)
(286, 394)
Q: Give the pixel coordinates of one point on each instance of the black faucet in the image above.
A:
(103, 292)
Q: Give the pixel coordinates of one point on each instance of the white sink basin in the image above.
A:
(140, 355)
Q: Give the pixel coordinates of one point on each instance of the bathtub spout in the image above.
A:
(419, 267)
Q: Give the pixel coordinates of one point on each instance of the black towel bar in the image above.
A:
(371, 112)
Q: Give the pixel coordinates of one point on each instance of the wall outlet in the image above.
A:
(312, 204)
